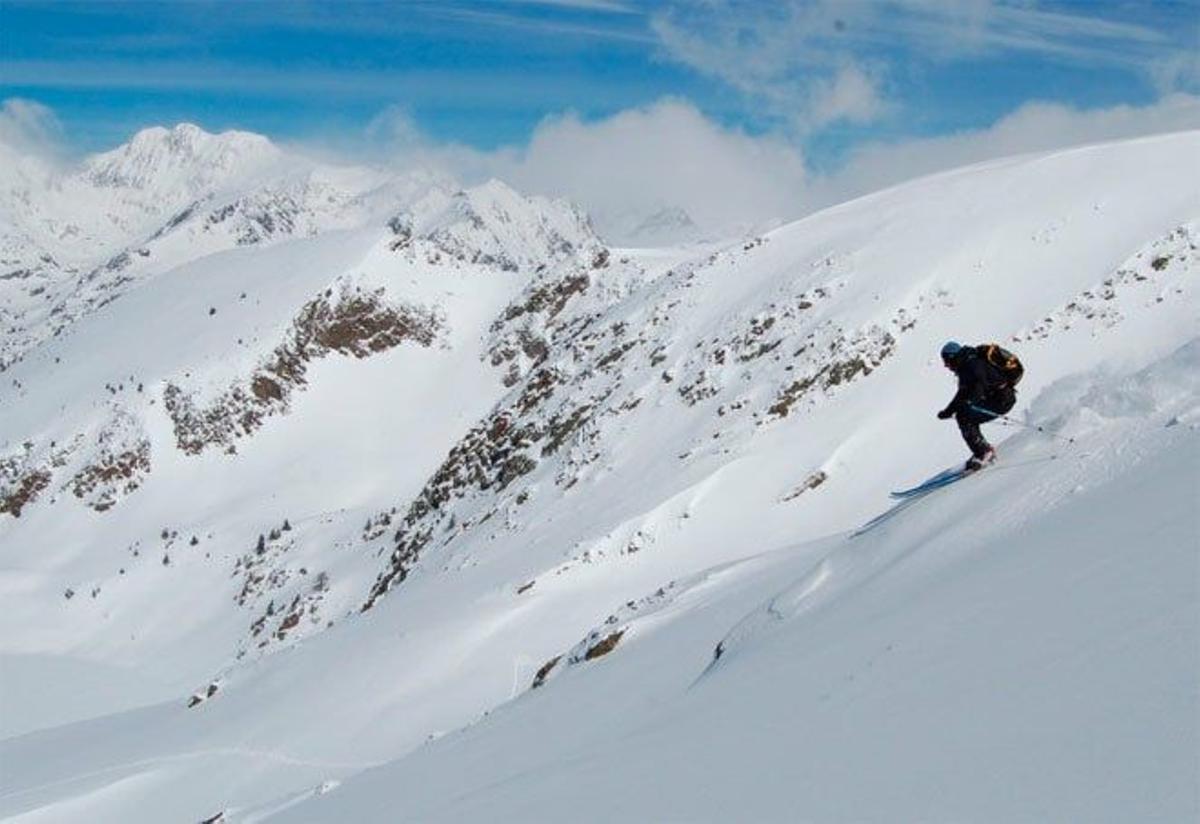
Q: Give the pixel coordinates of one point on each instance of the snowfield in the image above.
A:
(349, 497)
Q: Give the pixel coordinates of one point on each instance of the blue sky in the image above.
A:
(822, 76)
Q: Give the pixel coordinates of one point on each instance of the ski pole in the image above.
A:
(1016, 422)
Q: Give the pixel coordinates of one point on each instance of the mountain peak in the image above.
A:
(670, 224)
(495, 224)
(184, 155)
(181, 137)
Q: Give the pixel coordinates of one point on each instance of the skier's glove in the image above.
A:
(945, 413)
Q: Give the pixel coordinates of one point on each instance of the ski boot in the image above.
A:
(977, 462)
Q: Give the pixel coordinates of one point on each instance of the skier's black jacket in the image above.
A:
(980, 384)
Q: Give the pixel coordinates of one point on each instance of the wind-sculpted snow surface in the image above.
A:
(431, 506)
(1086, 419)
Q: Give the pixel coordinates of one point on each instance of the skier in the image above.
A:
(987, 379)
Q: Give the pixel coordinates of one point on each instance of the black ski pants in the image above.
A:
(969, 419)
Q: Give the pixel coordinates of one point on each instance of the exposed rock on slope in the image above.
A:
(99, 467)
(351, 322)
(118, 466)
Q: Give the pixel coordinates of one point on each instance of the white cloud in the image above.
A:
(982, 26)
(786, 57)
(1031, 128)
(465, 86)
(1178, 72)
(815, 63)
(665, 156)
(395, 130)
(662, 158)
(668, 156)
(851, 95)
(540, 26)
(30, 129)
(608, 6)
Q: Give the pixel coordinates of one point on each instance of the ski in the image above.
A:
(945, 478)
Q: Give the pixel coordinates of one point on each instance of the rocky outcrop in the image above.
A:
(286, 597)
(111, 475)
(1153, 275)
(26, 474)
(352, 322)
(21, 488)
(583, 346)
(841, 361)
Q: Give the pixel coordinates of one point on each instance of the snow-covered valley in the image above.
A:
(332, 495)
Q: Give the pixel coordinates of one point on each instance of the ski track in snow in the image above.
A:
(159, 761)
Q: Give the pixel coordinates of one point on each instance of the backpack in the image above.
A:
(1004, 362)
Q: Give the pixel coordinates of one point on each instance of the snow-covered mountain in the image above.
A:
(73, 239)
(344, 496)
(664, 226)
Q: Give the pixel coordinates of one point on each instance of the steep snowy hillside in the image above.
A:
(1017, 648)
(449, 511)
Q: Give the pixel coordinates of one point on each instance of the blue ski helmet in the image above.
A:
(950, 349)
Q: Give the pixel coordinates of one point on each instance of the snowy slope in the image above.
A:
(174, 410)
(1017, 648)
(325, 506)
